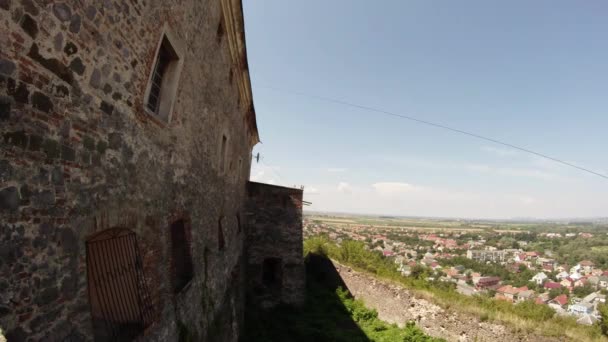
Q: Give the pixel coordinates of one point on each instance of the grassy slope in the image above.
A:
(526, 317)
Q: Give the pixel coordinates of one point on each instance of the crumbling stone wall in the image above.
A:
(78, 154)
(274, 233)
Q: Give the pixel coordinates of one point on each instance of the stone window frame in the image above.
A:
(171, 80)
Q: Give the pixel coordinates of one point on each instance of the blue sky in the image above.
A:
(534, 74)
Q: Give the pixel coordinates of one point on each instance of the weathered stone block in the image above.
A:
(77, 66)
(51, 148)
(114, 141)
(30, 7)
(69, 241)
(42, 102)
(68, 153)
(88, 142)
(95, 80)
(26, 193)
(35, 143)
(5, 109)
(6, 170)
(106, 107)
(44, 198)
(9, 199)
(57, 176)
(29, 25)
(5, 4)
(58, 41)
(75, 24)
(62, 11)
(7, 67)
(90, 12)
(16, 335)
(102, 146)
(18, 91)
(51, 64)
(47, 296)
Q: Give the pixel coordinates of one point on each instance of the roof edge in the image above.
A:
(235, 27)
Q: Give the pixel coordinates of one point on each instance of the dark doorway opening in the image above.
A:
(181, 256)
(272, 273)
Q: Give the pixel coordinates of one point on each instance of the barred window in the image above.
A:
(121, 306)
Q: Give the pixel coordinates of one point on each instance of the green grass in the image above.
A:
(527, 317)
(327, 315)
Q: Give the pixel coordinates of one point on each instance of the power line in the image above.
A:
(371, 109)
(272, 169)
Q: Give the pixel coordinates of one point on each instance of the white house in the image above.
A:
(575, 276)
(580, 308)
(539, 278)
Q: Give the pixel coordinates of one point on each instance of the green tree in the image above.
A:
(582, 291)
(556, 292)
(418, 272)
(603, 309)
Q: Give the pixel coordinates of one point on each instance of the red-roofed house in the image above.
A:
(532, 255)
(560, 300)
(552, 285)
(567, 282)
(487, 282)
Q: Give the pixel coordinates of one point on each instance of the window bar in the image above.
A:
(94, 274)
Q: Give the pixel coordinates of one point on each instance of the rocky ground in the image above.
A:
(396, 304)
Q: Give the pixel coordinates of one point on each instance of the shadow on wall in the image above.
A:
(323, 317)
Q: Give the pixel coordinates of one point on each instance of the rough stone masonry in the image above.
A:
(126, 131)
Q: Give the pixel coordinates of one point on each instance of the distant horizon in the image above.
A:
(520, 219)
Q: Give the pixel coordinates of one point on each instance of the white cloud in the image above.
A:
(258, 176)
(263, 173)
(516, 172)
(344, 187)
(391, 188)
(311, 190)
(336, 169)
(434, 200)
(502, 152)
(527, 200)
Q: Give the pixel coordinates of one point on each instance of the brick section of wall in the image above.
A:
(274, 230)
(78, 154)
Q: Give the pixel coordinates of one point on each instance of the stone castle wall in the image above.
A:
(79, 154)
(275, 263)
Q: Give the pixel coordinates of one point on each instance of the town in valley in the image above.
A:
(561, 264)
